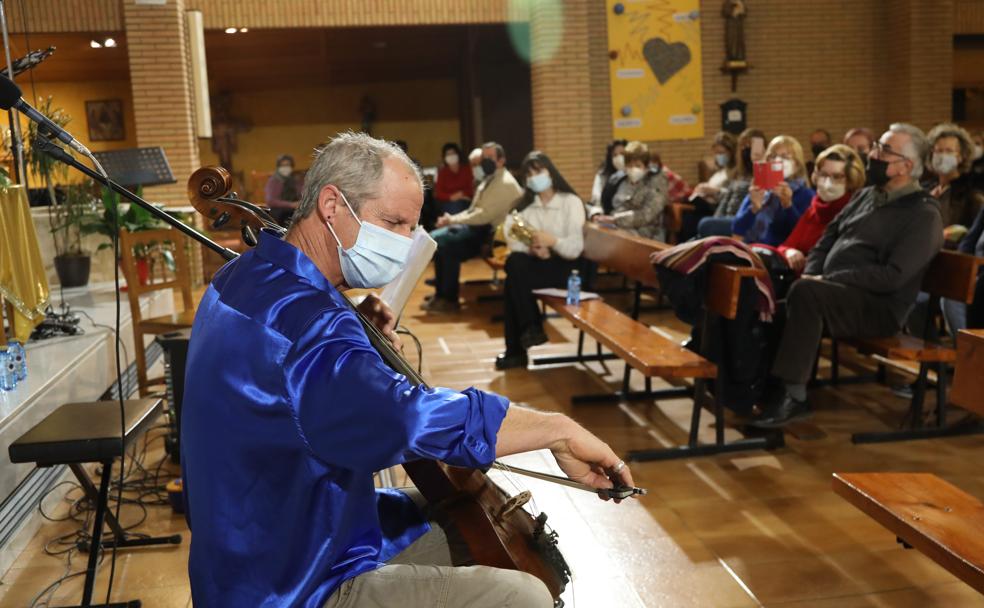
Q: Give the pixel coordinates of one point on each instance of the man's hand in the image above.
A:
(588, 460)
(540, 251)
(443, 221)
(381, 315)
(796, 259)
(756, 196)
(785, 194)
(543, 239)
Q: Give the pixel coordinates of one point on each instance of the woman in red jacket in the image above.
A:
(838, 174)
(455, 183)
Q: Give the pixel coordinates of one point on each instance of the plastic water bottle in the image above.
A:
(574, 289)
(8, 371)
(16, 350)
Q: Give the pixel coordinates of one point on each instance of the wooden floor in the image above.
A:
(754, 529)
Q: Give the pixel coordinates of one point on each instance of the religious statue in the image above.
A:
(226, 129)
(734, 12)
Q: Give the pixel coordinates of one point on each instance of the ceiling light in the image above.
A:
(243, 30)
(231, 30)
(109, 43)
(95, 44)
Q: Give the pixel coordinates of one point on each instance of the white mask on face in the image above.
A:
(635, 174)
(618, 161)
(478, 173)
(788, 168)
(944, 163)
(721, 160)
(377, 256)
(285, 170)
(978, 151)
(451, 159)
(828, 190)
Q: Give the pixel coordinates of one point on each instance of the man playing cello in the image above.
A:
(288, 411)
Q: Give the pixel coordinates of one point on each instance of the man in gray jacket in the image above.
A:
(862, 278)
(461, 236)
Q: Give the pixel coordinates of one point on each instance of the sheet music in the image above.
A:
(398, 291)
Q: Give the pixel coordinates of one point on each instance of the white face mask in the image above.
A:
(944, 164)
(828, 190)
(451, 159)
(788, 168)
(478, 173)
(285, 171)
(618, 161)
(721, 160)
(978, 151)
(540, 182)
(377, 256)
(635, 174)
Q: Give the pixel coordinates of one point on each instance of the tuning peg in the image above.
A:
(222, 220)
(249, 237)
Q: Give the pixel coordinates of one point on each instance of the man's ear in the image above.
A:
(328, 200)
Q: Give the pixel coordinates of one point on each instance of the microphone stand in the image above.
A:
(58, 153)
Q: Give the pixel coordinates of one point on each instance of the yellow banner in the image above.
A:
(655, 66)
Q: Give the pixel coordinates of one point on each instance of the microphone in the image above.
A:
(11, 97)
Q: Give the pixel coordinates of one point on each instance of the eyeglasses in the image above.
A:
(879, 150)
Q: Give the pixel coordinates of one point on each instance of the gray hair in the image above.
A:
(353, 163)
(500, 152)
(915, 150)
(963, 138)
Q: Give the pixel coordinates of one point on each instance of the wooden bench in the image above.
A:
(652, 354)
(950, 275)
(968, 378)
(926, 513)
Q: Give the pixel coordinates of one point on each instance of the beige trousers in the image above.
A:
(433, 572)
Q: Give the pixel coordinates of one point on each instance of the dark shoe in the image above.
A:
(442, 306)
(788, 411)
(427, 300)
(511, 360)
(534, 336)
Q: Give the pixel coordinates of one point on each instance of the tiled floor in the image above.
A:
(746, 529)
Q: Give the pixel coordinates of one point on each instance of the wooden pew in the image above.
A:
(968, 378)
(652, 354)
(926, 513)
(950, 275)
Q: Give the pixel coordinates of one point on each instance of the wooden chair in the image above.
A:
(154, 243)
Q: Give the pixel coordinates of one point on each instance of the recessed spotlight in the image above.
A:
(231, 30)
(243, 30)
(95, 44)
(109, 43)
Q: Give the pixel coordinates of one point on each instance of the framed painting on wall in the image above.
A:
(105, 120)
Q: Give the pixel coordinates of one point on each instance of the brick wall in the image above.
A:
(834, 64)
(64, 16)
(337, 13)
(161, 84)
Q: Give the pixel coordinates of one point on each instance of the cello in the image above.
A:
(496, 528)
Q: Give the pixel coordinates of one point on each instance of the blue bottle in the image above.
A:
(574, 289)
(8, 371)
(16, 350)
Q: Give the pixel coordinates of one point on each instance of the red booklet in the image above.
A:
(767, 174)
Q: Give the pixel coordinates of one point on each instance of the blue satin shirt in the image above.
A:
(287, 412)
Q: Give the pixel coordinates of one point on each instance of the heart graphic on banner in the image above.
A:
(665, 59)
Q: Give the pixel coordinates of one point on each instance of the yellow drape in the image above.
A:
(23, 282)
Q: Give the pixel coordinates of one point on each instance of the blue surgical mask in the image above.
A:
(377, 256)
(721, 160)
(539, 182)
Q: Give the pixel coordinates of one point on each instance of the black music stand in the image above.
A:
(137, 166)
(77, 433)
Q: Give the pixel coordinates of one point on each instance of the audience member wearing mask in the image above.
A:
(552, 209)
(769, 217)
(838, 175)
(475, 161)
(706, 195)
(819, 141)
(461, 236)
(751, 149)
(613, 163)
(950, 158)
(862, 278)
(861, 139)
(639, 196)
(455, 184)
(283, 190)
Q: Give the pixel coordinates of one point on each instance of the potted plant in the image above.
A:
(134, 219)
(66, 213)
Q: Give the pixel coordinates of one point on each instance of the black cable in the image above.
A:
(402, 329)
